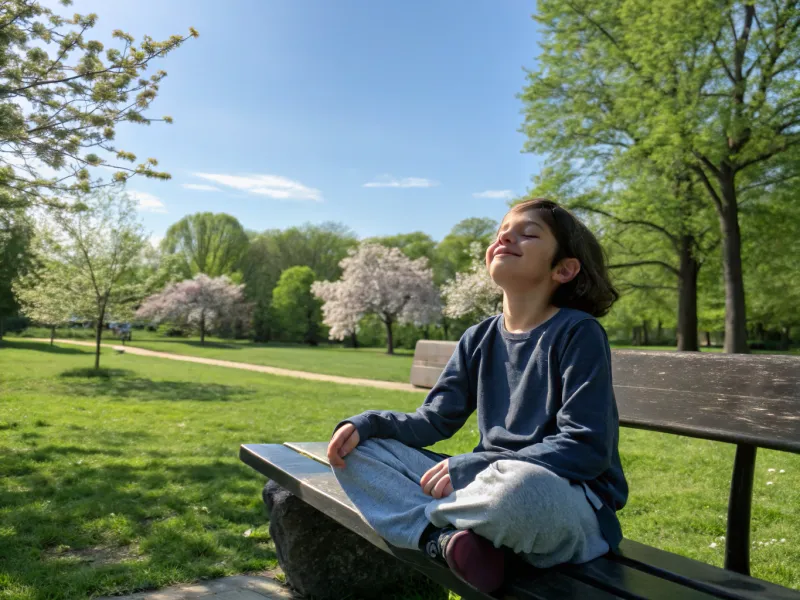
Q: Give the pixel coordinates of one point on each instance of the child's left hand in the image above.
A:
(436, 481)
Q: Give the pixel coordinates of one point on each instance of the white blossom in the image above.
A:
(473, 292)
(202, 302)
(381, 281)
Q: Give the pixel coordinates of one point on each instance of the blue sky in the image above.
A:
(389, 117)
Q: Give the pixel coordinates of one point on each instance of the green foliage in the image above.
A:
(297, 311)
(86, 259)
(209, 243)
(319, 247)
(414, 245)
(62, 96)
(453, 252)
(701, 94)
(16, 232)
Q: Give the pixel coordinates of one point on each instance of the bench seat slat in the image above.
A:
(310, 478)
(679, 569)
(314, 483)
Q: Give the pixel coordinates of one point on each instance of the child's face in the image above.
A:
(522, 253)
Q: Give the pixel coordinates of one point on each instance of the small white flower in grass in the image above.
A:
(782, 471)
(248, 533)
(773, 540)
(770, 470)
(769, 483)
(712, 545)
(783, 540)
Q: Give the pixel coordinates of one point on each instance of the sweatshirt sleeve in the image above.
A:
(587, 421)
(446, 408)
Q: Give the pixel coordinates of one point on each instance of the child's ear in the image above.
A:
(566, 270)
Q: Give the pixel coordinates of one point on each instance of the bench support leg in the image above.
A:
(737, 540)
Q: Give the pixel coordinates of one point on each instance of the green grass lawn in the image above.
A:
(132, 481)
(367, 363)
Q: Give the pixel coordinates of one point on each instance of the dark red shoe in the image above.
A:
(475, 560)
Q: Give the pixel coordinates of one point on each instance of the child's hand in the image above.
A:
(436, 481)
(343, 441)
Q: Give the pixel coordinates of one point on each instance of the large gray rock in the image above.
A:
(322, 559)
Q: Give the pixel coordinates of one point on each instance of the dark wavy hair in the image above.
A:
(590, 290)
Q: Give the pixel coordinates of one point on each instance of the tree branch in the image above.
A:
(641, 263)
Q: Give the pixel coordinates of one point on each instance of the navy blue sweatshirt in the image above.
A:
(544, 396)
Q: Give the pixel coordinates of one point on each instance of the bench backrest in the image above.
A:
(752, 401)
(735, 398)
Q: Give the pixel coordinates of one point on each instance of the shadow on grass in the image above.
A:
(42, 347)
(101, 373)
(120, 384)
(73, 526)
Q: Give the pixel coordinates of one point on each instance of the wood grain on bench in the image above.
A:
(637, 571)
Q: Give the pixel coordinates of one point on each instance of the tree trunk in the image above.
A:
(52, 334)
(202, 329)
(735, 315)
(659, 332)
(445, 327)
(759, 332)
(687, 297)
(646, 333)
(2, 327)
(99, 337)
(389, 337)
(354, 339)
(785, 341)
(708, 339)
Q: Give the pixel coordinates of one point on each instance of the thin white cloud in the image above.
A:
(495, 194)
(200, 187)
(147, 202)
(155, 240)
(273, 186)
(387, 181)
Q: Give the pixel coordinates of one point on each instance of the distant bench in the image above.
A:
(752, 401)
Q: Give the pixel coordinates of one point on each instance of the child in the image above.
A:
(545, 479)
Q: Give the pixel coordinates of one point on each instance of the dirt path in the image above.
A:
(386, 385)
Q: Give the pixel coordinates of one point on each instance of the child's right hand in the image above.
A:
(342, 442)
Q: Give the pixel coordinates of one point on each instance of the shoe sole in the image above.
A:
(475, 560)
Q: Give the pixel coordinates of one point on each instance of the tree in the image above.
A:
(319, 247)
(473, 293)
(414, 245)
(380, 281)
(343, 317)
(202, 302)
(16, 232)
(453, 252)
(87, 257)
(296, 308)
(61, 98)
(712, 91)
(42, 297)
(771, 269)
(208, 243)
(657, 230)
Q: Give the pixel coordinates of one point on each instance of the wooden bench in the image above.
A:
(752, 401)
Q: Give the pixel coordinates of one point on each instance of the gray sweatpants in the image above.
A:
(512, 503)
